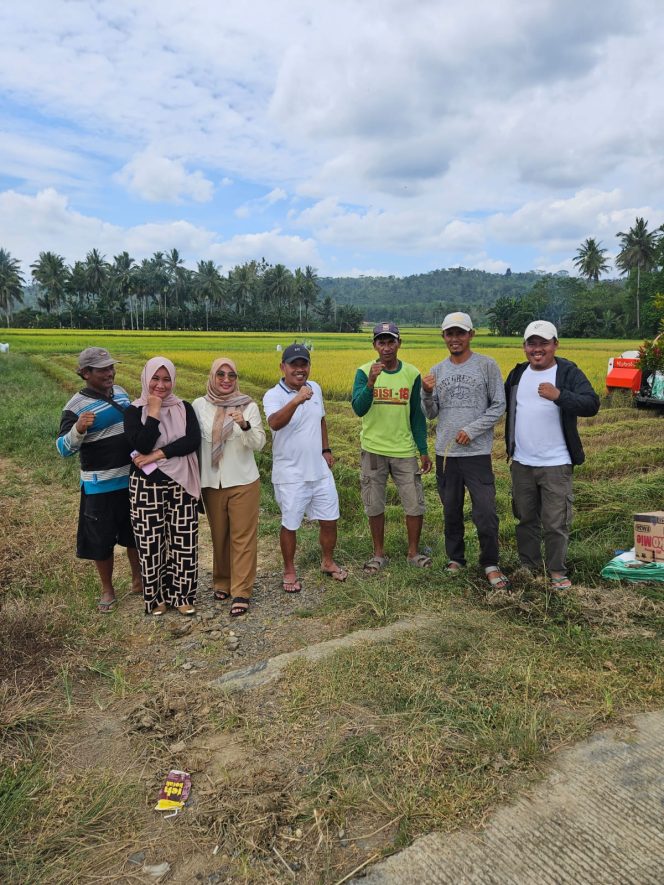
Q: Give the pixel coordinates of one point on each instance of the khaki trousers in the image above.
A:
(233, 517)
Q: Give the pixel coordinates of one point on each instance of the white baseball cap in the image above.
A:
(457, 320)
(542, 328)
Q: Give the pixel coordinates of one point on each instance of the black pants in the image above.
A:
(475, 474)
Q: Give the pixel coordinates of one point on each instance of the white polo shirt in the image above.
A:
(297, 449)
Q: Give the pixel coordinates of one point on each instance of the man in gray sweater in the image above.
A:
(465, 392)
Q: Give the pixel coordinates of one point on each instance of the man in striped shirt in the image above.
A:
(92, 427)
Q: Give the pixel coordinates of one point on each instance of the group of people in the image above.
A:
(149, 466)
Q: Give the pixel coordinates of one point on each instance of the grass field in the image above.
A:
(379, 744)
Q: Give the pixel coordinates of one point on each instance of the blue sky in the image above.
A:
(368, 137)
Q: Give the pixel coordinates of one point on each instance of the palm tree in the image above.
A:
(590, 260)
(638, 250)
(51, 273)
(243, 284)
(96, 272)
(209, 285)
(311, 291)
(279, 287)
(76, 290)
(122, 284)
(11, 283)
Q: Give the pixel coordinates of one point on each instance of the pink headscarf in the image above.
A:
(172, 425)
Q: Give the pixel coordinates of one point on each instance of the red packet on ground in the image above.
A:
(175, 791)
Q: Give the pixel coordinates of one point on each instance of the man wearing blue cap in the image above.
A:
(302, 463)
(386, 395)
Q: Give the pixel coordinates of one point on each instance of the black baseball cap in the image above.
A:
(386, 329)
(295, 352)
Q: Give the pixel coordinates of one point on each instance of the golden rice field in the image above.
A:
(335, 357)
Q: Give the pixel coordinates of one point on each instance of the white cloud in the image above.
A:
(46, 222)
(486, 133)
(160, 179)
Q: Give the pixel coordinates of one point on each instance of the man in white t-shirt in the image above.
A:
(545, 395)
(302, 463)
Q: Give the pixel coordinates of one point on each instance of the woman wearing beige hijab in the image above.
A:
(231, 431)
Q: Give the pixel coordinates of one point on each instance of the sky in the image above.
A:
(356, 136)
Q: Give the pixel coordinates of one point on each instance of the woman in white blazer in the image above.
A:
(231, 431)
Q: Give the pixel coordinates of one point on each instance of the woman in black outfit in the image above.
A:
(164, 488)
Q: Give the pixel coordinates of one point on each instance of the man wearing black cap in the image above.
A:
(386, 395)
(302, 463)
(92, 426)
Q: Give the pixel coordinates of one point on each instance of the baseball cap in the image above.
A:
(295, 352)
(541, 328)
(95, 358)
(386, 329)
(457, 320)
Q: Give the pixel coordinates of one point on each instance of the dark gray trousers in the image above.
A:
(475, 474)
(542, 503)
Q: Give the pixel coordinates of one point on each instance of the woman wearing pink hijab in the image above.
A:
(164, 488)
(231, 431)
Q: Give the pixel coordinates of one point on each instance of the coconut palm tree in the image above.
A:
(96, 273)
(209, 285)
(638, 251)
(122, 285)
(51, 273)
(590, 260)
(311, 291)
(11, 283)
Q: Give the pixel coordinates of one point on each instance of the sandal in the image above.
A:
(499, 581)
(562, 582)
(159, 609)
(187, 609)
(375, 564)
(337, 574)
(239, 606)
(420, 560)
(453, 567)
(292, 585)
(221, 595)
(105, 607)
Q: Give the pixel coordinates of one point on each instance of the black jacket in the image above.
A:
(577, 398)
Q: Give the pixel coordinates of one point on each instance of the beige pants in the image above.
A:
(233, 517)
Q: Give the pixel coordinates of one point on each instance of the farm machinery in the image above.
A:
(624, 373)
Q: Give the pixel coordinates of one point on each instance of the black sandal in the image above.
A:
(239, 606)
(221, 595)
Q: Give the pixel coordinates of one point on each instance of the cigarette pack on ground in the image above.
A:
(175, 791)
(649, 536)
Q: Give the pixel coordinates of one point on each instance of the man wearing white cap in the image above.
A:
(465, 392)
(545, 395)
(92, 426)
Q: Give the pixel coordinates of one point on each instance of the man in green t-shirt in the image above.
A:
(386, 395)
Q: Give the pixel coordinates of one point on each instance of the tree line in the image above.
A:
(161, 293)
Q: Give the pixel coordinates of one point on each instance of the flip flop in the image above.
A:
(420, 560)
(561, 583)
(453, 567)
(375, 564)
(292, 586)
(221, 595)
(499, 581)
(239, 606)
(338, 574)
(105, 607)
